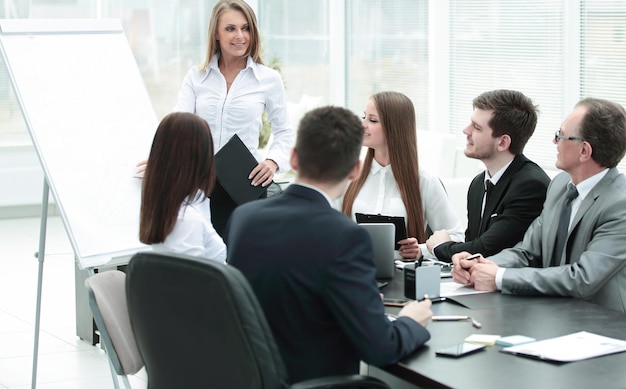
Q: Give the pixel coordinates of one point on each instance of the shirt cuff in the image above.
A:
(499, 275)
(427, 254)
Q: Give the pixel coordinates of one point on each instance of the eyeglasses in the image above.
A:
(558, 136)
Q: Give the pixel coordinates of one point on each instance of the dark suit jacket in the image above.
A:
(513, 204)
(313, 272)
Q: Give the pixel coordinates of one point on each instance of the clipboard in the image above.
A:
(233, 164)
(398, 221)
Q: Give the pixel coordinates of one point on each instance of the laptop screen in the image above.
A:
(383, 237)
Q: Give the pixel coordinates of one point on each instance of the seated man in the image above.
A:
(502, 123)
(577, 246)
(312, 267)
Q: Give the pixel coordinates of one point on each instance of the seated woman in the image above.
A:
(175, 213)
(391, 183)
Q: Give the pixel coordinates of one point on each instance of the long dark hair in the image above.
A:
(180, 164)
(397, 117)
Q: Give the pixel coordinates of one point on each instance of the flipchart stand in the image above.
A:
(91, 120)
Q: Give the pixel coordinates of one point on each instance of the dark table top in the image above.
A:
(537, 317)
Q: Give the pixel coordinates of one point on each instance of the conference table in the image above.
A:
(534, 316)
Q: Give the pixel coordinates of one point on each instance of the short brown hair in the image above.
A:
(604, 127)
(514, 115)
(328, 144)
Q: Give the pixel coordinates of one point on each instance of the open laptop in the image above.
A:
(383, 242)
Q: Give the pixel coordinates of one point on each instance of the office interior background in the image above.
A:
(441, 53)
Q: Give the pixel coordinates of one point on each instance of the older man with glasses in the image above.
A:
(577, 246)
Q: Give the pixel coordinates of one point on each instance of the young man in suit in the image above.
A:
(502, 123)
(312, 267)
(590, 261)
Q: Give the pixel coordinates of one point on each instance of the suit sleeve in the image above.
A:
(598, 253)
(521, 204)
(354, 299)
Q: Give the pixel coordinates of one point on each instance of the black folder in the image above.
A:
(398, 221)
(233, 164)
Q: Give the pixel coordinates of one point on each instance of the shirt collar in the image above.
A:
(498, 175)
(377, 168)
(584, 187)
(330, 202)
(213, 65)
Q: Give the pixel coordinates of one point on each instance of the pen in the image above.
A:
(433, 299)
(473, 256)
(450, 318)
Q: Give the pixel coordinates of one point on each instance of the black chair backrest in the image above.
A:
(198, 324)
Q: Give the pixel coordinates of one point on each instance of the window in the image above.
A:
(296, 36)
(603, 51)
(387, 49)
(440, 53)
(509, 45)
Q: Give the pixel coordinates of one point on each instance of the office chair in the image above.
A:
(198, 324)
(107, 299)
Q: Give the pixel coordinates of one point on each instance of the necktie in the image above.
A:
(488, 188)
(561, 232)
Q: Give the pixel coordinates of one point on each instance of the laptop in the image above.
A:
(383, 237)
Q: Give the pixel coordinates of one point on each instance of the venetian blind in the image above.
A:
(509, 45)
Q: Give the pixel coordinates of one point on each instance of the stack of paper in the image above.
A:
(569, 348)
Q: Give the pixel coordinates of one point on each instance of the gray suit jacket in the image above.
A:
(596, 247)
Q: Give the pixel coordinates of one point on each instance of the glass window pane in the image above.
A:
(387, 49)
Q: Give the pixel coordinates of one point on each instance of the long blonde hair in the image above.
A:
(397, 117)
(213, 45)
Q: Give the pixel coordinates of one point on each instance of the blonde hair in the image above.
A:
(213, 45)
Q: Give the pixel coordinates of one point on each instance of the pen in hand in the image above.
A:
(473, 256)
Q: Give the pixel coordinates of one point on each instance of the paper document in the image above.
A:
(450, 289)
(569, 348)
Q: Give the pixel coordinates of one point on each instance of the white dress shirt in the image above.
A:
(380, 195)
(256, 88)
(193, 233)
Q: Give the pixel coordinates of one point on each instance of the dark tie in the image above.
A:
(488, 188)
(561, 232)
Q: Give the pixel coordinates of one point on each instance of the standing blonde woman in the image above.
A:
(231, 90)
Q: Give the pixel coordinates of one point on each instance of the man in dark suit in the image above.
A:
(312, 267)
(497, 217)
(587, 202)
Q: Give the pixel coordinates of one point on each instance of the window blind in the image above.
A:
(603, 51)
(509, 45)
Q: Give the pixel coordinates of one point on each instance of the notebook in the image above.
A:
(233, 164)
(383, 241)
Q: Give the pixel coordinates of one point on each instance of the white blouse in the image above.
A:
(193, 233)
(239, 110)
(380, 195)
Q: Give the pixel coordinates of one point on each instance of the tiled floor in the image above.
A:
(64, 360)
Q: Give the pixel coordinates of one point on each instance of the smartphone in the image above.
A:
(459, 350)
(395, 302)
